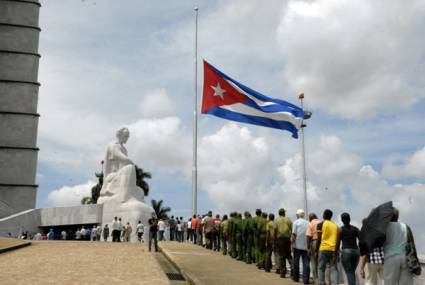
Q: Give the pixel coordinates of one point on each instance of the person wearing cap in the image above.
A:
(231, 240)
(299, 241)
(262, 241)
(248, 237)
(270, 242)
(224, 234)
(208, 229)
(284, 230)
(255, 236)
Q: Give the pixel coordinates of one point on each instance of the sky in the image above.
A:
(361, 65)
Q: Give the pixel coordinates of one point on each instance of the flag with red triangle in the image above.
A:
(226, 98)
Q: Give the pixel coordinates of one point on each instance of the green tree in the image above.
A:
(160, 211)
(140, 179)
(95, 190)
(86, 200)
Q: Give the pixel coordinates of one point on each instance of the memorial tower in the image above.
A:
(19, 59)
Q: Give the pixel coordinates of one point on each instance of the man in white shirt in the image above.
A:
(161, 229)
(189, 230)
(83, 233)
(140, 229)
(63, 235)
(78, 234)
(115, 230)
(299, 240)
(93, 236)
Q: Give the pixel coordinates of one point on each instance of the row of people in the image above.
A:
(318, 244)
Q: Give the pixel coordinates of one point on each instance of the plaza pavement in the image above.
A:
(8, 244)
(80, 262)
(205, 267)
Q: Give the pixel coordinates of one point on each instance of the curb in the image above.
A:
(13, 247)
(191, 280)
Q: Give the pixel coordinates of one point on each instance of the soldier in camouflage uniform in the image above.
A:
(238, 236)
(270, 242)
(224, 232)
(248, 237)
(262, 235)
(231, 238)
(255, 239)
(284, 231)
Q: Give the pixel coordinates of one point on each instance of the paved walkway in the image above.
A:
(7, 244)
(72, 262)
(204, 267)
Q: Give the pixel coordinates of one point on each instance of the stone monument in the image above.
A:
(19, 58)
(120, 195)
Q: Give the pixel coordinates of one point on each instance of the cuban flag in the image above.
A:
(226, 98)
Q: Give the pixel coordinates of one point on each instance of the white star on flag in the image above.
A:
(218, 91)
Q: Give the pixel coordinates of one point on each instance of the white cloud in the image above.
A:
(397, 166)
(238, 173)
(70, 195)
(156, 103)
(351, 62)
(160, 145)
(233, 167)
(351, 58)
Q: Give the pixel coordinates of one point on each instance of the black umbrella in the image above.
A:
(374, 227)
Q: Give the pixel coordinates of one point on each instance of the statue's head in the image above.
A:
(122, 135)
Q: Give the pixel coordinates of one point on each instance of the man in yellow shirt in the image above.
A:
(328, 241)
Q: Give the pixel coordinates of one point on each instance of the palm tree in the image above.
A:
(140, 179)
(95, 190)
(86, 201)
(160, 211)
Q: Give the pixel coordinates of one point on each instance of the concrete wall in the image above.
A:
(85, 214)
(19, 59)
(28, 220)
(32, 220)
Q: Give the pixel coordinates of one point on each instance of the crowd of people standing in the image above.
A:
(318, 244)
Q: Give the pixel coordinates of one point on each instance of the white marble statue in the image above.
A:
(119, 172)
(120, 195)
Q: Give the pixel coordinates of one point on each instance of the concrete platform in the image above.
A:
(81, 262)
(204, 267)
(8, 244)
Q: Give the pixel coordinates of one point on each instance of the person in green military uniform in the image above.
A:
(284, 231)
(270, 241)
(224, 232)
(248, 237)
(262, 236)
(255, 236)
(238, 228)
(232, 244)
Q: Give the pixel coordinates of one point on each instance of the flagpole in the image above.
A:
(195, 126)
(301, 97)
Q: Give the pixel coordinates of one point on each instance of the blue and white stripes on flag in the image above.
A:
(226, 98)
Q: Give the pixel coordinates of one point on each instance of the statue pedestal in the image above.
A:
(122, 198)
(131, 211)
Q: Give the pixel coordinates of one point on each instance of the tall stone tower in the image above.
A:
(19, 33)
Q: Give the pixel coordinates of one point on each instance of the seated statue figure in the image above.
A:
(119, 172)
